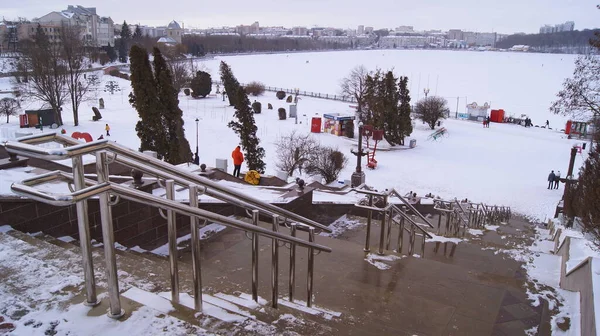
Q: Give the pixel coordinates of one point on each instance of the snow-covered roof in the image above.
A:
(167, 39)
(174, 25)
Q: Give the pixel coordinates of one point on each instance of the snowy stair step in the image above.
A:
(314, 310)
(214, 307)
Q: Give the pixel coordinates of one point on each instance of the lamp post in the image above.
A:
(426, 91)
(358, 177)
(196, 158)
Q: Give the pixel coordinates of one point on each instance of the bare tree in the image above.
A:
(9, 107)
(42, 74)
(73, 54)
(431, 109)
(293, 150)
(580, 95)
(181, 74)
(327, 162)
(354, 86)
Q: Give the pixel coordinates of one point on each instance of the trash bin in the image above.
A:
(413, 143)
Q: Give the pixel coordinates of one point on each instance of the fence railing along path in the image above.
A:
(320, 95)
(109, 194)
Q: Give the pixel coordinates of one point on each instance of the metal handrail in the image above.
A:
(140, 196)
(415, 211)
(25, 146)
(415, 224)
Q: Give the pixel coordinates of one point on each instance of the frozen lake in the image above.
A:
(519, 83)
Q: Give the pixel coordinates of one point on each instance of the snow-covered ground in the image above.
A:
(504, 165)
(519, 83)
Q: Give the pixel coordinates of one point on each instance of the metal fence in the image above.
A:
(320, 95)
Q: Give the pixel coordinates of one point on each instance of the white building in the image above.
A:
(98, 31)
(403, 41)
(299, 31)
(561, 27)
(360, 30)
(368, 30)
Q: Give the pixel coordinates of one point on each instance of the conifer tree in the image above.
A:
(201, 84)
(137, 34)
(246, 128)
(405, 109)
(144, 98)
(230, 83)
(124, 42)
(178, 146)
(111, 53)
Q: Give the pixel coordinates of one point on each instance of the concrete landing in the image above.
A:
(457, 289)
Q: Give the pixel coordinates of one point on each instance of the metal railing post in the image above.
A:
(390, 219)
(112, 280)
(275, 264)
(196, 263)
(311, 268)
(423, 246)
(172, 235)
(382, 230)
(84, 235)
(411, 247)
(400, 235)
(439, 222)
(369, 218)
(292, 281)
(255, 258)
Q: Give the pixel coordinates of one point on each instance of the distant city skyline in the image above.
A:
(509, 16)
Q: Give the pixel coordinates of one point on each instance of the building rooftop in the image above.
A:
(174, 25)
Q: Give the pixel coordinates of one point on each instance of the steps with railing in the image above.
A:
(392, 214)
(468, 215)
(109, 194)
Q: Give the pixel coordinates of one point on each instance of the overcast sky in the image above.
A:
(502, 16)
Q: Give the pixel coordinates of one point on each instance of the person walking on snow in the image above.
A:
(238, 158)
(107, 129)
(551, 179)
(556, 179)
(547, 124)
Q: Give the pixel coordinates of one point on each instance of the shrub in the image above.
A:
(327, 162)
(186, 92)
(269, 106)
(282, 115)
(257, 107)
(201, 85)
(294, 150)
(289, 99)
(280, 95)
(114, 72)
(255, 88)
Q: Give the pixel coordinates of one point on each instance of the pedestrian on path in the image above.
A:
(238, 158)
(556, 179)
(107, 129)
(551, 177)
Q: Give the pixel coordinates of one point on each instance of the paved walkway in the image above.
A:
(463, 289)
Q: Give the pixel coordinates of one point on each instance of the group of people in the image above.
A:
(553, 179)
(528, 122)
(486, 122)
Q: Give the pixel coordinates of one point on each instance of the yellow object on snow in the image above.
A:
(252, 177)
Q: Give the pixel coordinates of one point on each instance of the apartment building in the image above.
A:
(97, 31)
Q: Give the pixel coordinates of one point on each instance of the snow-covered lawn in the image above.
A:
(504, 165)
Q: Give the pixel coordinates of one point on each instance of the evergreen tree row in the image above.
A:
(387, 106)
(160, 127)
(244, 126)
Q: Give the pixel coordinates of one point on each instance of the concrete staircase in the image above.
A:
(455, 289)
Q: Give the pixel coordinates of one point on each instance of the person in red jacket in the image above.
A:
(238, 158)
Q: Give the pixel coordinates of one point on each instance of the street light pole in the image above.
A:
(426, 91)
(196, 157)
(358, 177)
